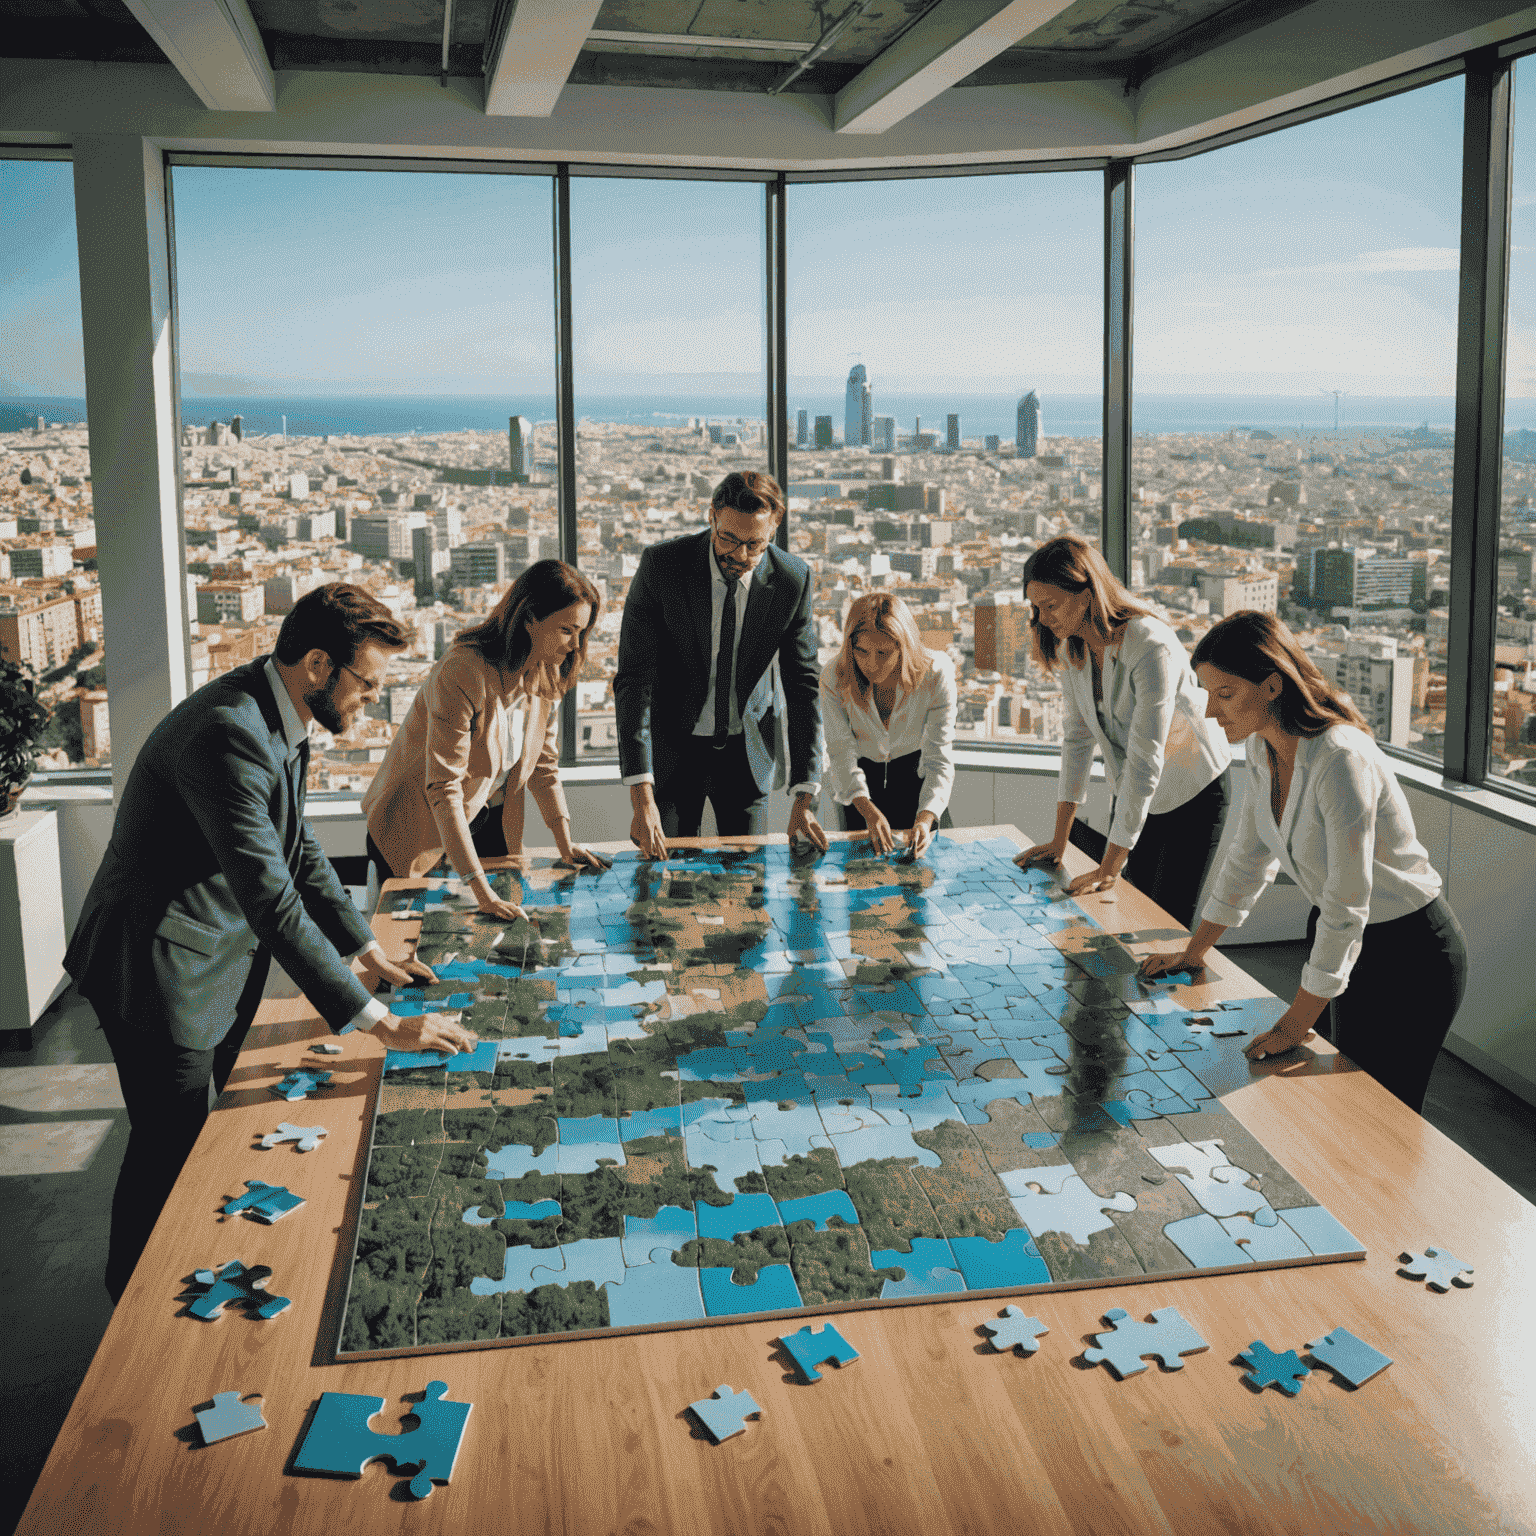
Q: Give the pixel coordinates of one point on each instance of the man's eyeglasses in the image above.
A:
(370, 688)
(749, 547)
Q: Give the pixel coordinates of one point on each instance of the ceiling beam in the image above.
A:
(942, 47)
(216, 47)
(533, 50)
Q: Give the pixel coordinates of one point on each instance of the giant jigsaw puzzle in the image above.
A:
(748, 1082)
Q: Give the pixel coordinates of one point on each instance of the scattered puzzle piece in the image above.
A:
(725, 1413)
(810, 1348)
(228, 1417)
(234, 1282)
(1167, 1337)
(1350, 1359)
(339, 1440)
(1267, 1369)
(264, 1202)
(1016, 1331)
(1439, 1266)
(307, 1136)
(300, 1084)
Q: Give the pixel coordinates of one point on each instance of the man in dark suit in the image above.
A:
(211, 871)
(717, 691)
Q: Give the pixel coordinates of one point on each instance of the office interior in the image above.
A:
(865, 93)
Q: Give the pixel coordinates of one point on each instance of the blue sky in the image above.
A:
(1320, 257)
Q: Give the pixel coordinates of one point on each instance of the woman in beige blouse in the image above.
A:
(484, 727)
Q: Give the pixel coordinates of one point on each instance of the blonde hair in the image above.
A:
(885, 614)
(1074, 565)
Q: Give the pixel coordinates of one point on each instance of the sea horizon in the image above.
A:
(981, 415)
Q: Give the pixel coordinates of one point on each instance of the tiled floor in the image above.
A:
(63, 1130)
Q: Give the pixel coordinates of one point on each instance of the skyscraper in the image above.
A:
(802, 430)
(857, 408)
(882, 434)
(1002, 633)
(1028, 439)
(823, 431)
(952, 435)
(520, 441)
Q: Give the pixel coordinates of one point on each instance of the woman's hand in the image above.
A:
(1042, 853)
(921, 834)
(881, 838)
(493, 906)
(584, 858)
(1155, 966)
(1100, 879)
(1292, 1027)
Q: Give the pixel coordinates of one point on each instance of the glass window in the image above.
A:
(1295, 380)
(50, 600)
(945, 410)
(669, 352)
(1513, 755)
(367, 376)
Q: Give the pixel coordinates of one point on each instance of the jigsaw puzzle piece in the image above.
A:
(862, 1146)
(1268, 1369)
(742, 1213)
(307, 1136)
(1350, 1359)
(1016, 1331)
(655, 1292)
(809, 1348)
(1056, 1199)
(930, 1269)
(1011, 1260)
(1167, 1337)
(819, 1209)
(339, 1440)
(236, 1283)
(229, 1416)
(671, 1228)
(727, 1161)
(587, 1142)
(1206, 1242)
(725, 1413)
(598, 1259)
(1439, 1266)
(774, 1290)
(1323, 1233)
(299, 1085)
(1265, 1242)
(264, 1202)
(518, 1266)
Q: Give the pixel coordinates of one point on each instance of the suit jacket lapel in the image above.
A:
(703, 607)
(759, 636)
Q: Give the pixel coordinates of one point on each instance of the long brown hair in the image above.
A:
(1074, 565)
(881, 613)
(546, 587)
(1254, 646)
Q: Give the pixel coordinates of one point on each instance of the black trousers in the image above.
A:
(1175, 849)
(720, 775)
(486, 836)
(895, 787)
(169, 1090)
(1404, 990)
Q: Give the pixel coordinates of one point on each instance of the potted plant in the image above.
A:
(22, 722)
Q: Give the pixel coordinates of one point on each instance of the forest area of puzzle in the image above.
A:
(748, 1081)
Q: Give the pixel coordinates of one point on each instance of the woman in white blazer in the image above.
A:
(483, 727)
(1324, 805)
(1128, 689)
(888, 709)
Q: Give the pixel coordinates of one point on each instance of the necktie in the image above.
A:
(301, 773)
(725, 659)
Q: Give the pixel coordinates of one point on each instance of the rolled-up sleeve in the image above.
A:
(1247, 869)
(842, 747)
(937, 763)
(1346, 801)
(1153, 690)
(1076, 748)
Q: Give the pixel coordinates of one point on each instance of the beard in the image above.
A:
(321, 703)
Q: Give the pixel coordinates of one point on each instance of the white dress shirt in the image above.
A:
(294, 732)
(1159, 750)
(705, 724)
(922, 721)
(514, 719)
(1345, 836)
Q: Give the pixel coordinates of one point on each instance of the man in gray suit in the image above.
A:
(212, 871)
(717, 694)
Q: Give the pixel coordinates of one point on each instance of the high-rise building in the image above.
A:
(384, 535)
(1002, 633)
(823, 431)
(1378, 678)
(520, 444)
(424, 557)
(1028, 436)
(1335, 577)
(952, 433)
(857, 406)
(802, 429)
(882, 434)
(479, 565)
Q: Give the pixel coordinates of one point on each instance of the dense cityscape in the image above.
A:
(1347, 536)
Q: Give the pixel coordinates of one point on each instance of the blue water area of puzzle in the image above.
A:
(820, 1209)
(408, 1003)
(774, 1290)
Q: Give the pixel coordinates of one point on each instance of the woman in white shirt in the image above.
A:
(888, 709)
(1128, 689)
(1323, 804)
(483, 727)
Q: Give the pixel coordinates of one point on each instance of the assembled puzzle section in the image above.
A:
(743, 1082)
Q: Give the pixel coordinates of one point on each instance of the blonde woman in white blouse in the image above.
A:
(888, 709)
(1128, 690)
(1324, 805)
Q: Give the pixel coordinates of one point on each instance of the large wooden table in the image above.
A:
(931, 1431)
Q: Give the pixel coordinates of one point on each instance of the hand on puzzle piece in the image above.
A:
(425, 1032)
(1439, 1266)
(1163, 968)
(376, 969)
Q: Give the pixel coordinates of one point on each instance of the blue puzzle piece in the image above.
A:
(1268, 1369)
(657, 1292)
(298, 1085)
(1265, 1242)
(929, 1269)
(518, 1265)
(745, 1213)
(1439, 1266)
(809, 1348)
(481, 1059)
(410, 1061)
(1011, 1260)
(264, 1202)
(228, 1417)
(598, 1259)
(339, 1440)
(1350, 1359)
(307, 1136)
(1321, 1231)
(671, 1228)
(725, 1414)
(1205, 1242)
(774, 1290)
(1015, 1330)
(820, 1209)
(238, 1284)
(878, 1142)
(1167, 1337)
